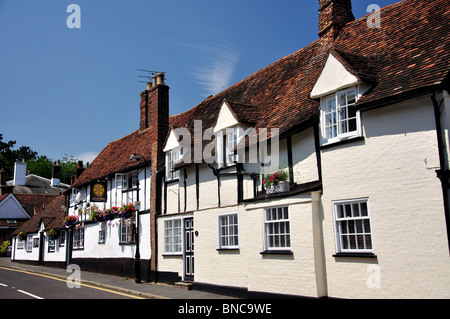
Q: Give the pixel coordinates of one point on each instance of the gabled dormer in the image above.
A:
(172, 150)
(342, 82)
(229, 128)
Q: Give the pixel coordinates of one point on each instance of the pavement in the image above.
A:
(144, 289)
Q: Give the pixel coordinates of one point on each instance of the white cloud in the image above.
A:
(217, 58)
(86, 157)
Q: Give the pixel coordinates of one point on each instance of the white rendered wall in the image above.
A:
(395, 168)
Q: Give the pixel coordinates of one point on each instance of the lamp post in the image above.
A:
(137, 258)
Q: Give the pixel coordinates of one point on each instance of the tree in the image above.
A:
(40, 166)
(68, 166)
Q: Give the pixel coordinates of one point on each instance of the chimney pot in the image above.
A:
(159, 78)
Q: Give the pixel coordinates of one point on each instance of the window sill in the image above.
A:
(356, 255)
(170, 181)
(127, 243)
(342, 141)
(227, 249)
(276, 252)
(172, 255)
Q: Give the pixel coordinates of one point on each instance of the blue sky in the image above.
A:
(72, 91)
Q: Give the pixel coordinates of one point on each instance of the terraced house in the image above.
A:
(325, 174)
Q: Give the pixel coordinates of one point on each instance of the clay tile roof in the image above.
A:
(52, 217)
(115, 157)
(412, 48)
(244, 113)
(409, 54)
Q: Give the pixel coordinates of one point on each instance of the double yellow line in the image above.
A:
(81, 284)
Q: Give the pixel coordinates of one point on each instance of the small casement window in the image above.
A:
(127, 230)
(102, 236)
(20, 243)
(277, 233)
(228, 231)
(35, 242)
(78, 238)
(172, 236)
(29, 243)
(172, 157)
(51, 245)
(339, 120)
(353, 227)
(227, 140)
(62, 238)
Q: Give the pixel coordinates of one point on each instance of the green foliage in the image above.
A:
(4, 246)
(39, 165)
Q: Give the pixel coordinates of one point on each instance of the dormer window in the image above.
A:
(172, 157)
(227, 140)
(339, 120)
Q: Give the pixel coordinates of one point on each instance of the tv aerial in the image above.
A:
(150, 75)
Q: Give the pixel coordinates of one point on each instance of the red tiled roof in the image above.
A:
(52, 217)
(115, 157)
(409, 53)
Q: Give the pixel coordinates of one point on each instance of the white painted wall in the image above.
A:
(395, 168)
(112, 248)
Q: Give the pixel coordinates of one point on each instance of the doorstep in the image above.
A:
(186, 285)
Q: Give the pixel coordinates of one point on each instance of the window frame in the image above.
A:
(20, 243)
(226, 145)
(127, 236)
(102, 236)
(340, 134)
(230, 234)
(62, 238)
(176, 240)
(51, 245)
(338, 222)
(172, 157)
(78, 243)
(267, 223)
(29, 243)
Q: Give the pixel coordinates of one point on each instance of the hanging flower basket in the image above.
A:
(22, 235)
(70, 220)
(52, 234)
(276, 182)
(127, 210)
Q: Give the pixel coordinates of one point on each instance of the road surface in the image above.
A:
(21, 284)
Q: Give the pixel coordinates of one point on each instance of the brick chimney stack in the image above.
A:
(333, 16)
(154, 120)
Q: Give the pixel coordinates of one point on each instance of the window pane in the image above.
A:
(366, 226)
(363, 209)
(340, 209)
(355, 210)
(352, 242)
(359, 226)
(348, 210)
(351, 97)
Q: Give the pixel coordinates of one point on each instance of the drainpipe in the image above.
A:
(443, 172)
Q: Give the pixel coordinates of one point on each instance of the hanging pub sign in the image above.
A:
(98, 192)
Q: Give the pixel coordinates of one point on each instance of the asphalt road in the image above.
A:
(19, 284)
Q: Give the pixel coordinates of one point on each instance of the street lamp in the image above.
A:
(137, 258)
